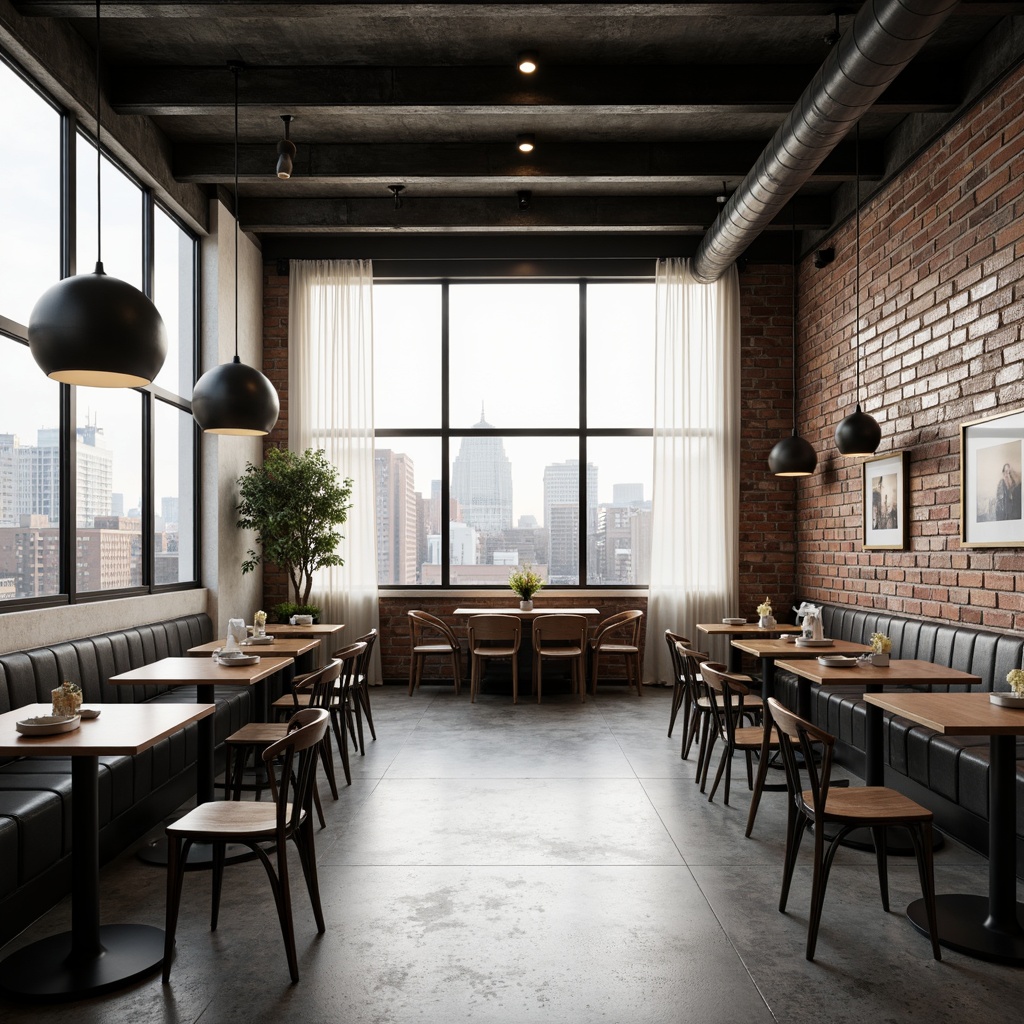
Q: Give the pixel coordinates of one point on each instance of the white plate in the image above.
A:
(734, 622)
(48, 725)
(837, 661)
(245, 659)
(805, 642)
(90, 712)
(255, 641)
(1007, 700)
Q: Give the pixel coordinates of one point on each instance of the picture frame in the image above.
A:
(991, 465)
(886, 494)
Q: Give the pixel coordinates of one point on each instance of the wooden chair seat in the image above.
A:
(750, 702)
(228, 818)
(881, 804)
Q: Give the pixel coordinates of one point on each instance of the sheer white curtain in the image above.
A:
(696, 456)
(330, 406)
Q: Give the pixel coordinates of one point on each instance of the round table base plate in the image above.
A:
(961, 922)
(41, 971)
(200, 857)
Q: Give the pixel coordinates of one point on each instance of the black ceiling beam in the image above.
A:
(629, 161)
(251, 9)
(170, 91)
(684, 215)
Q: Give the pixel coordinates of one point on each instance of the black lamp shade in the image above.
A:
(285, 156)
(234, 398)
(97, 331)
(793, 456)
(858, 434)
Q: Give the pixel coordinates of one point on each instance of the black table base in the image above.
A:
(964, 925)
(46, 970)
(200, 856)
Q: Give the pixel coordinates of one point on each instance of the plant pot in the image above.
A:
(880, 660)
(526, 606)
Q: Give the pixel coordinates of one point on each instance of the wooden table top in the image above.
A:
(955, 714)
(318, 630)
(544, 610)
(768, 648)
(748, 629)
(902, 672)
(183, 671)
(287, 647)
(120, 729)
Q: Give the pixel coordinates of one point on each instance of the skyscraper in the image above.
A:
(562, 517)
(396, 514)
(482, 482)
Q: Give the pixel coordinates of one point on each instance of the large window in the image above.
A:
(513, 425)
(97, 486)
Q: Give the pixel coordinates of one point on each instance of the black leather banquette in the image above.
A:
(947, 774)
(135, 793)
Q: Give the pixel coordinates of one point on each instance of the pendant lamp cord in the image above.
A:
(235, 69)
(856, 324)
(794, 315)
(99, 149)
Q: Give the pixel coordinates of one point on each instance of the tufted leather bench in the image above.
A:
(135, 793)
(947, 774)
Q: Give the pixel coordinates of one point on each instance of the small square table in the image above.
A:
(768, 650)
(328, 633)
(747, 630)
(284, 647)
(90, 959)
(986, 928)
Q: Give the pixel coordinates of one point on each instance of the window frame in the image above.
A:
(447, 434)
(16, 333)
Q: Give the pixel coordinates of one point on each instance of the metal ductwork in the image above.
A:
(884, 37)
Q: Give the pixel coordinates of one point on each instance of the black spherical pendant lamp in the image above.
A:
(793, 456)
(234, 398)
(859, 433)
(95, 330)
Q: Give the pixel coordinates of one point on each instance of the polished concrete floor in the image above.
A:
(551, 863)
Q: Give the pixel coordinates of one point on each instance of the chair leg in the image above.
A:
(474, 678)
(795, 823)
(723, 767)
(818, 882)
(878, 834)
(691, 724)
(219, 850)
(353, 711)
(456, 672)
(712, 739)
(412, 673)
(364, 703)
(759, 781)
(175, 875)
(922, 839)
(593, 671)
(327, 757)
(307, 858)
(515, 677)
(537, 675)
(319, 807)
(638, 673)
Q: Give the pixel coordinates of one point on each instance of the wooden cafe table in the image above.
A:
(293, 647)
(91, 958)
(767, 651)
(747, 630)
(328, 633)
(985, 927)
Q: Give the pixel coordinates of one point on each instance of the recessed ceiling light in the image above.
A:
(525, 143)
(527, 62)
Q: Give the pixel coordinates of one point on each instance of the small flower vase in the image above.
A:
(526, 606)
(880, 660)
(65, 703)
(766, 621)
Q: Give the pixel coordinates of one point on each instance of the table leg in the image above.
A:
(90, 959)
(988, 927)
(734, 660)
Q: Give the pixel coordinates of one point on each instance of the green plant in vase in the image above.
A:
(525, 582)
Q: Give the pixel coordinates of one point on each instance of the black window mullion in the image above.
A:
(446, 483)
(584, 512)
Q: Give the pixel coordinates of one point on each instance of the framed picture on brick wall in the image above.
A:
(886, 502)
(991, 462)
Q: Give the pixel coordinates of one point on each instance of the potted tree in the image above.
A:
(295, 503)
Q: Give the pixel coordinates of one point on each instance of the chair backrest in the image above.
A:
(672, 639)
(505, 629)
(692, 663)
(627, 623)
(559, 628)
(294, 793)
(809, 737)
(349, 659)
(733, 690)
(422, 623)
(321, 685)
(363, 668)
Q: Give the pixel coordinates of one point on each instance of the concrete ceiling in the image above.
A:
(643, 113)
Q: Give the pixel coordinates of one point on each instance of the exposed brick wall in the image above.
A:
(767, 541)
(942, 304)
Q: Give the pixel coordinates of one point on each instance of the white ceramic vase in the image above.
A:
(880, 660)
(526, 606)
(766, 621)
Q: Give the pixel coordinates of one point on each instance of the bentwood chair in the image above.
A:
(361, 688)
(561, 638)
(731, 701)
(681, 696)
(257, 736)
(618, 636)
(494, 637)
(249, 823)
(430, 637)
(875, 807)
